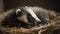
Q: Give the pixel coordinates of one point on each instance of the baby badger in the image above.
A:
(25, 16)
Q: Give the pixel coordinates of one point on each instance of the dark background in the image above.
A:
(48, 4)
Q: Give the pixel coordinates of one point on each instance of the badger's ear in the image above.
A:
(18, 12)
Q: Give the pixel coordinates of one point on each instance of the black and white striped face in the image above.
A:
(23, 13)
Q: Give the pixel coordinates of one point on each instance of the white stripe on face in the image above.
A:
(30, 11)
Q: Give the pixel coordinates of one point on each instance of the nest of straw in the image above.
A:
(52, 27)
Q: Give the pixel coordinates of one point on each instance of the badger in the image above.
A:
(25, 16)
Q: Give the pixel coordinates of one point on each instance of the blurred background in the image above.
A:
(48, 4)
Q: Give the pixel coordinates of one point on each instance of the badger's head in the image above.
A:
(24, 13)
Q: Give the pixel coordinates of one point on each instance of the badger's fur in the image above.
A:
(11, 19)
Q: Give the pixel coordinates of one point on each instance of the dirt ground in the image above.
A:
(52, 27)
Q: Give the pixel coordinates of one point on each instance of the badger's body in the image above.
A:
(11, 19)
